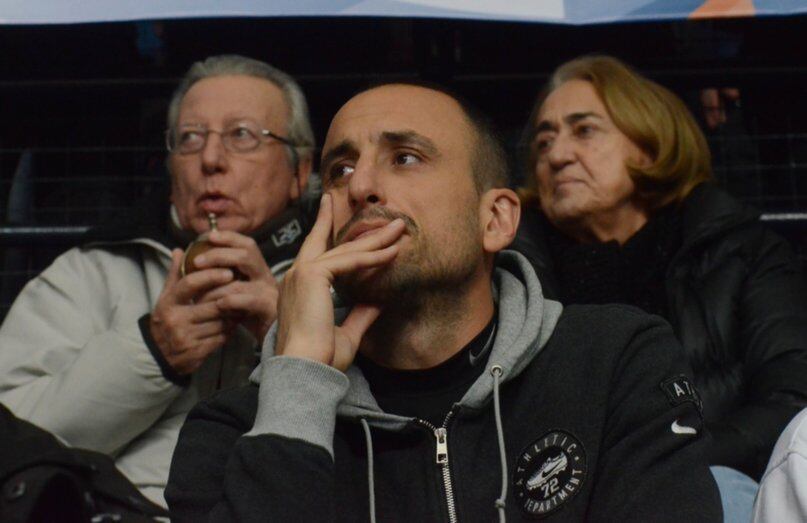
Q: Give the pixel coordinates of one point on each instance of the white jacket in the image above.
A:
(73, 360)
(782, 496)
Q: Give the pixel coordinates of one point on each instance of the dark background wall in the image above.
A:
(82, 107)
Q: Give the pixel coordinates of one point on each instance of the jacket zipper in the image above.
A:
(441, 440)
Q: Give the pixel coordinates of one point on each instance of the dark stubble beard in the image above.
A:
(423, 272)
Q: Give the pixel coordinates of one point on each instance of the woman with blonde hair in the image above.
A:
(619, 207)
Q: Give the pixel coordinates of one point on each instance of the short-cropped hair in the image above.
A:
(651, 116)
(490, 166)
(298, 128)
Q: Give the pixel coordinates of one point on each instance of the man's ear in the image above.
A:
(500, 211)
(302, 175)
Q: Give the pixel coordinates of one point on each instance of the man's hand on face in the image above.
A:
(185, 331)
(251, 301)
(305, 313)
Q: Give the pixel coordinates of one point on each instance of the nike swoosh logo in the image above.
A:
(682, 429)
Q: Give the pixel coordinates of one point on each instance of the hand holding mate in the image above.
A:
(187, 332)
(251, 300)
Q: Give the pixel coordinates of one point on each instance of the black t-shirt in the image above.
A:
(429, 394)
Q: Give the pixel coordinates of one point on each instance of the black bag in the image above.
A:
(41, 480)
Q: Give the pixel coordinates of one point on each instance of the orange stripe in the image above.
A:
(724, 8)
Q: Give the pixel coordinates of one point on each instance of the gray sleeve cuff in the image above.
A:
(298, 400)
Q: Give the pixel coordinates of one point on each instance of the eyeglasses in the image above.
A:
(242, 137)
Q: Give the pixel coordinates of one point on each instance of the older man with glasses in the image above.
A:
(111, 346)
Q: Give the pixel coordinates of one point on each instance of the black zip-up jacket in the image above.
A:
(737, 300)
(599, 423)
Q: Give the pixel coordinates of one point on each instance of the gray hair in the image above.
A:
(298, 129)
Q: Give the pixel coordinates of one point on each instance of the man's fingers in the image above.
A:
(256, 312)
(236, 251)
(317, 240)
(348, 336)
(237, 287)
(239, 303)
(219, 292)
(202, 312)
(198, 282)
(374, 240)
(358, 321)
(248, 261)
(201, 331)
(173, 271)
(235, 257)
(354, 261)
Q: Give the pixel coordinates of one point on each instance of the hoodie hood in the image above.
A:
(525, 324)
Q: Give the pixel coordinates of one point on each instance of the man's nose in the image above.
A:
(213, 155)
(364, 186)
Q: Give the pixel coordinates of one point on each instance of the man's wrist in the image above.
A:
(166, 369)
(298, 399)
(305, 350)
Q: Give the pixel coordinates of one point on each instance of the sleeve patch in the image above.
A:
(681, 390)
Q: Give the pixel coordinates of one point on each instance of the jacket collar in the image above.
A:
(152, 224)
(706, 212)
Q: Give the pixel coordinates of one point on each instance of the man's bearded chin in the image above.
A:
(411, 280)
(385, 286)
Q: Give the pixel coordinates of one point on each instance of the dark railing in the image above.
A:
(41, 236)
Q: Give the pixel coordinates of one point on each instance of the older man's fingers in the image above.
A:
(202, 312)
(207, 329)
(173, 272)
(197, 283)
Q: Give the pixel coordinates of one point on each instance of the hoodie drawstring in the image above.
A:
(370, 477)
(496, 371)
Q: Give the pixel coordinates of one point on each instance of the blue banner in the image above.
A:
(575, 12)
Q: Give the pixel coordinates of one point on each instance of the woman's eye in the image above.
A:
(583, 130)
(542, 145)
(406, 159)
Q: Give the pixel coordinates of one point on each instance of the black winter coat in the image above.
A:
(737, 299)
(42, 481)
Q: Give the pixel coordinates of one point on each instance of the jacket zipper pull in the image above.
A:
(442, 446)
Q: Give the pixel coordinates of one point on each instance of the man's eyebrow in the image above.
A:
(345, 148)
(410, 138)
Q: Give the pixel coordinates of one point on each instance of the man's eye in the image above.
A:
(339, 171)
(242, 133)
(189, 136)
(406, 159)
